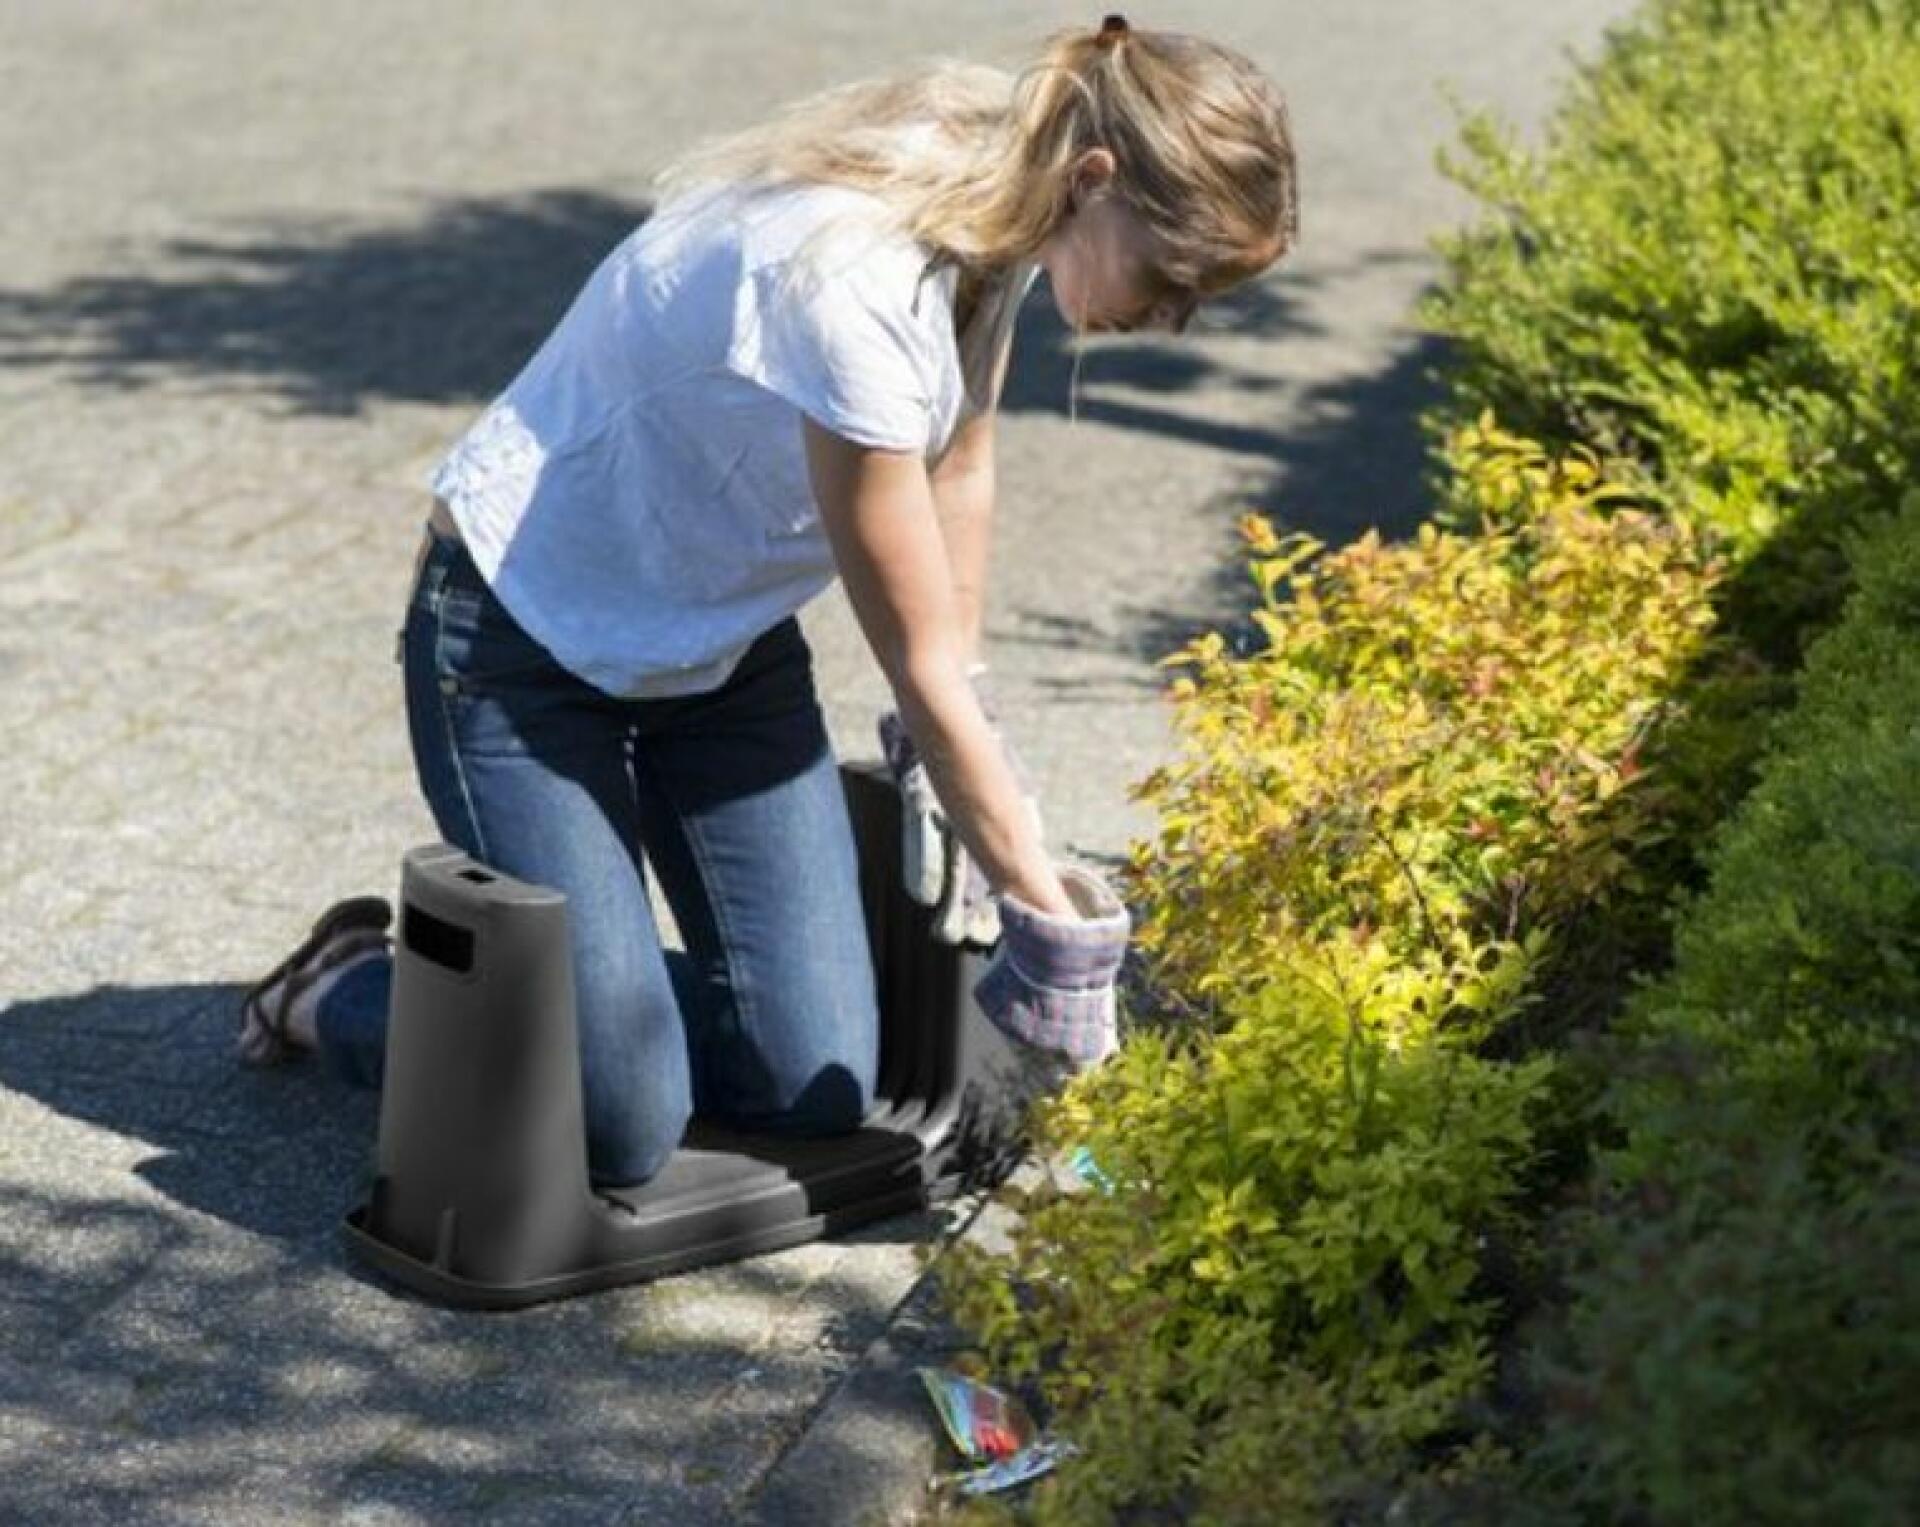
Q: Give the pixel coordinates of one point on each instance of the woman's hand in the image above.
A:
(1051, 983)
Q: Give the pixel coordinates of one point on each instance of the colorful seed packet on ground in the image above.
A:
(984, 1423)
(990, 1428)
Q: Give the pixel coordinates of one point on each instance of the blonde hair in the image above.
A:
(976, 163)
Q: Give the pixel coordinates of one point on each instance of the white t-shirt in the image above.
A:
(638, 496)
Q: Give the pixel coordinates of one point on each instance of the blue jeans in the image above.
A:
(770, 1020)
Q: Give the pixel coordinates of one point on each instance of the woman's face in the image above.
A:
(1102, 263)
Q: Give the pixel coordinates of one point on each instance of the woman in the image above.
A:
(788, 373)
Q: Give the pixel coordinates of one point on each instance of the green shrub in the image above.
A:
(1746, 1324)
(1711, 270)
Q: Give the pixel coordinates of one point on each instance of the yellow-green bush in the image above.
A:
(1428, 726)
(1280, 1310)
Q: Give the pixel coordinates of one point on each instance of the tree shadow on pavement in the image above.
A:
(440, 311)
(159, 1364)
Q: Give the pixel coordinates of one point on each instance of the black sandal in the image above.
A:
(364, 917)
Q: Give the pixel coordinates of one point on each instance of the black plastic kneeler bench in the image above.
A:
(480, 1195)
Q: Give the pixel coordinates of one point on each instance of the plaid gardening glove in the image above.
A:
(937, 869)
(1050, 984)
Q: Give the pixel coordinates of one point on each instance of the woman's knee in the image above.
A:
(635, 1068)
(817, 1053)
(628, 1150)
(835, 1098)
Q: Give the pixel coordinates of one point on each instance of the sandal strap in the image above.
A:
(370, 912)
(347, 947)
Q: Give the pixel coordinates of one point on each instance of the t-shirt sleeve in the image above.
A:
(844, 350)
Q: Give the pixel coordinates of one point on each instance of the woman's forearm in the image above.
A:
(963, 503)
